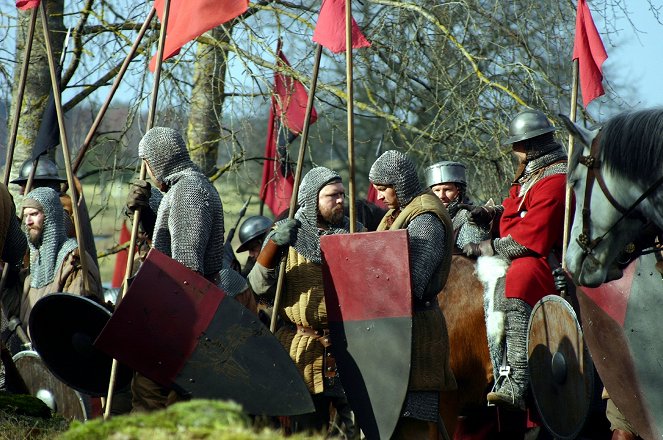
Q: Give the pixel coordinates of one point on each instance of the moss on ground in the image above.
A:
(194, 420)
(26, 417)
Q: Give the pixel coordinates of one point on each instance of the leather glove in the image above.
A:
(139, 196)
(482, 215)
(286, 232)
(484, 248)
(560, 279)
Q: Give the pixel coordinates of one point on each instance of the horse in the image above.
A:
(617, 177)
(623, 158)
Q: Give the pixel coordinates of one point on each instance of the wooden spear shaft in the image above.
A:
(19, 97)
(120, 75)
(350, 110)
(298, 178)
(567, 209)
(143, 172)
(65, 146)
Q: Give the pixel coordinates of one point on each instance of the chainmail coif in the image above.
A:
(396, 169)
(189, 225)
(47, 257)
(307, 242)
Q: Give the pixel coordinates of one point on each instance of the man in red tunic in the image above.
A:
(531, 228)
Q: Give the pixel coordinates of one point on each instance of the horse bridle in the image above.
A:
(593, 165)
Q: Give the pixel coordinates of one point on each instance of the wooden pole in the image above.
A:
(65, 146)
(350, 110)
(568, 199)
(120, 75)
(143, 172)
(19, 97)
(298, 178)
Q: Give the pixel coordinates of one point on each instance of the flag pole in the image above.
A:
(120, 75)
(143, 172)
(350, 110)
(19, 97)
(298, 178)
(567, 206)
(65, 146)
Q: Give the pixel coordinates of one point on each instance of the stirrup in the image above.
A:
(504, 378)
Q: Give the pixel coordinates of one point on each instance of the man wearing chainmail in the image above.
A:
(448, 182)
(531, 227)
(305, 333)
(54, 258)
(188, 226)
(417, 209)
(12, 249)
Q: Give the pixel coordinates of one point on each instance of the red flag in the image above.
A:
(330, 29)
(121, 258)
(589, 51)
(286, 121)
(27, 4)
(188, 19)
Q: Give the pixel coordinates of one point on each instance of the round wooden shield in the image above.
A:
(63, 400)
(561, 370)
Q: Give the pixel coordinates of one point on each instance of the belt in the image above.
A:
(322, 336)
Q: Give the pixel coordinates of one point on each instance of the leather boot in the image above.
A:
(619, 434)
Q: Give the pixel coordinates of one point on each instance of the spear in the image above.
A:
(143, 172)
(298, 178)
(351, 128)
(65, 145)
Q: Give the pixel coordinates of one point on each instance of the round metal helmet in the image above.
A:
(46, 170)
(444, 172)
(252, 228)
(528, 124)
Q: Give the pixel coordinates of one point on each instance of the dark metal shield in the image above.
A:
(561, 370)
(369, 308)
(62, 329)
(180, 330)
(623, 325)
(62, 399)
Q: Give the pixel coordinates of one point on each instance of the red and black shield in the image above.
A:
(180, 330)
(369, 307)
(623, 327)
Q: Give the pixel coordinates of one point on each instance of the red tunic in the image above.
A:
(537, 222)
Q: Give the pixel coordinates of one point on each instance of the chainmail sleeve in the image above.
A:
(190, 216)
(468, 232)
(510, 248)
(15, 243)
(427, 241)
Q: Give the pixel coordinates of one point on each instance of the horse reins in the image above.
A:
(593, 165)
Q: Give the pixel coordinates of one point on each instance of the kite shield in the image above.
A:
(560, 368)
(180, 330)
(369, 308)
(623, 327)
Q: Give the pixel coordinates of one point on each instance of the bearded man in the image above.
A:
(305, 333)
(188, 226)
(55, 259)
(417, 209)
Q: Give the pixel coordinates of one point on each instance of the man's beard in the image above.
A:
(34, 235)
(334, 216)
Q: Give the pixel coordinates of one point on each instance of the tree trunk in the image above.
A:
(38, 81)
(204, 127)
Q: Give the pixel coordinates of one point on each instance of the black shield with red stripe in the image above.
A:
(623, 323)
(180, 330)
(369, 307)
